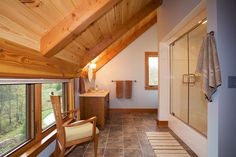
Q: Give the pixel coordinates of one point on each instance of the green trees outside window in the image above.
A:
(13, 116)
(47, 111)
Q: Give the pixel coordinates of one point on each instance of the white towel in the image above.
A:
(208, 66)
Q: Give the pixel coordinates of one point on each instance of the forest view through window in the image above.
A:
(47, 111)
(13, 116)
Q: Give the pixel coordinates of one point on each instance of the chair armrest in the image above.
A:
(71, 111)
(76, 116)
(68, 121)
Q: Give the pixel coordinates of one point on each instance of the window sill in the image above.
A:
(41, 145)
(151, 88)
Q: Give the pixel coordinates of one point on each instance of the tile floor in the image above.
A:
(124, 136)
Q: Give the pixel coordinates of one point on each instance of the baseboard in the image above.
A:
(162, 123)
(140, 110)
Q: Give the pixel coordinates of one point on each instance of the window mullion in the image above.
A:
(38, 112)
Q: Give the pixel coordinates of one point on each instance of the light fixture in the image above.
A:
(205, 21)
(91, 66)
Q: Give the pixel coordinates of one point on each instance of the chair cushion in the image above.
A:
(80, 131)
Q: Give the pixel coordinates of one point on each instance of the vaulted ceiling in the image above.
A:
(60, 37)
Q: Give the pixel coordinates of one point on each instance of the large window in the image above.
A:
(14, 116)
(26, 113)
(151, 70)
(47, 111)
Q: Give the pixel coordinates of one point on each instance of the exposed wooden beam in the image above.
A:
(20, 61)
(90, 55)
(72, 25)
(115, 48)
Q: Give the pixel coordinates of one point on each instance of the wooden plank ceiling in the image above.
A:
(71, 32)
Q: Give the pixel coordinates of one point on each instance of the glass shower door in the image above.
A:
(197, 101)
(179, 84)
(187, 99)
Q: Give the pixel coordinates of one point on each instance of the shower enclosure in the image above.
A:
(187, 100)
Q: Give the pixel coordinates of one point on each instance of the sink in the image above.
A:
(95, 93)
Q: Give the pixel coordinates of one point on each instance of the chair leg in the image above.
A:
(59, 151)
(95, 145)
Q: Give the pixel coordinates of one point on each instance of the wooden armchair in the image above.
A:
(70, 135)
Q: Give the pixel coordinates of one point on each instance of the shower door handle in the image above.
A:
(192, 79)
(185, 79)
(189, 78)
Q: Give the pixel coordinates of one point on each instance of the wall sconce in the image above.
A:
(93, 66)
(90, 71)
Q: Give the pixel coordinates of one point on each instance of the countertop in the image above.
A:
(99, 93)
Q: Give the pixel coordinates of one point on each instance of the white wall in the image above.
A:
(171, 13)
(129, 65)
(226, 37)
(213, 107)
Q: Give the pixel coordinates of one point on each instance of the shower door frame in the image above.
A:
(170, 70)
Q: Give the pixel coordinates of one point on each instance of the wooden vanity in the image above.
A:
(95, 104)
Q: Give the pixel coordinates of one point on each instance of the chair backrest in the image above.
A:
(56, 103)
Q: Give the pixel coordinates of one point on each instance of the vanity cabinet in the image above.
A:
(95, 104)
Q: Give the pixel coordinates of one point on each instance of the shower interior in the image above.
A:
(188, 103)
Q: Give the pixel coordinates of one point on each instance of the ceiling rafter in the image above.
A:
(114, 49)
(72, 25)
(93, 53)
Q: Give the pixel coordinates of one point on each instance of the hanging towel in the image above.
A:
(128, 89)
(208, 66)
(119, 89)
(81, 85)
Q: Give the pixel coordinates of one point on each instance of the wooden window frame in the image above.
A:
(30, 105)
(40, 138)
(52, 127)
(147, 55)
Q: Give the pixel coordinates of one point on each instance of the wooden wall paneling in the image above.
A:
(72, 25)
(64, 7)
(73, 52)
(117, 34)
(21, 61)
(10, 30)
(87, 39)
(69, 56)
(23, 16)
(123, 42)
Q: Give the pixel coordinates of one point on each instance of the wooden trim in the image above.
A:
(38, 111)
(40, 146)
(31, 76)
(72, 25)
(19, 61)
(162, 123)
(151, 88)
(147, 55)
(139, 110)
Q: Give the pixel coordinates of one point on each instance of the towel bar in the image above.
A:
(117, 80)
